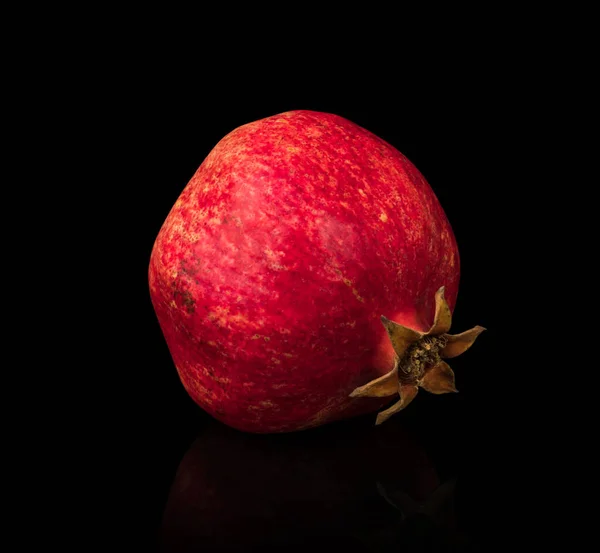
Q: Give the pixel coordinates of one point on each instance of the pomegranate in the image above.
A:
(296, 238)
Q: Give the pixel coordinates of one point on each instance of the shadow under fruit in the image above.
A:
(347, 485)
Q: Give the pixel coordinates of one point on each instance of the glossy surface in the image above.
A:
(271, 272)
(347, 486)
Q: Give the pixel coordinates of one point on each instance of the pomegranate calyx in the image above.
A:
(439, 379)
(418, 359)
(407, 393)
(384, 386)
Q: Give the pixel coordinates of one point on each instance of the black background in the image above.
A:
(158, 126)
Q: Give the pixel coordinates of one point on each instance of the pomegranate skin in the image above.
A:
(271, 271)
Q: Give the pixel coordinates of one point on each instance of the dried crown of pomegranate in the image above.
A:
(418, 360)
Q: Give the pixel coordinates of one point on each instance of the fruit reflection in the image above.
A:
(330, 486)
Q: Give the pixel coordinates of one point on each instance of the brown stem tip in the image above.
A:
(418, 359)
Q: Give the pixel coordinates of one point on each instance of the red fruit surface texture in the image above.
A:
(271, 271)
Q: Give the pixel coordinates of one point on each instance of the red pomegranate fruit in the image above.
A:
(296, 238)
